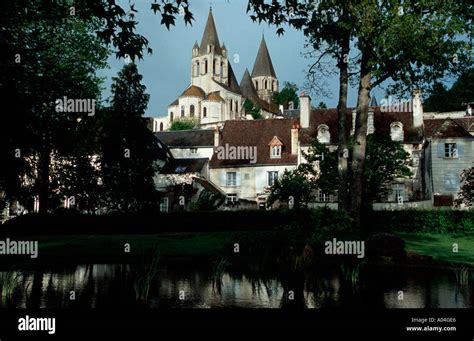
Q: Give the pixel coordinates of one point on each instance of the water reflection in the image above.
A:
(111, 286)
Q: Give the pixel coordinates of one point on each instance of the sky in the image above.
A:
(167, 71)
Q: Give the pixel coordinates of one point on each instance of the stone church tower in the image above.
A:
(263, 73)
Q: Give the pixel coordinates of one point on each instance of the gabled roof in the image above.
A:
(210, 37)
(466, 122)
(263, 63)
(257, 133)
(187, 138)
(444, 128)
(275, 142)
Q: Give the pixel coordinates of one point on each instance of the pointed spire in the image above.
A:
(247, 87)
(209, 36)
(263, 63)
(196, 45)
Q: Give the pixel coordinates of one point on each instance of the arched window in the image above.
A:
(205, 66)
(324, 136)
(197, 69)
(265, 84)
(256, 85)
(204, 112)
(396, 131)
(182, 111)
(191, 111)
(161, 126)
(214, 66)
(171, 117)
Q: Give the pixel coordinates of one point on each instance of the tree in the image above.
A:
(466, 193)
(441, 99)
(294, 187)
(46, 57)
(287, 95)
(183, 124)
(129, 149)
(322, 105)
(252, 109)
(413, 44)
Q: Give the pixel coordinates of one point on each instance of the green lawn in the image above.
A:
(440, 246)
(111, 248)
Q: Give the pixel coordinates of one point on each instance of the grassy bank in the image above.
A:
(206, 245)
(440, 246)
(112, 248)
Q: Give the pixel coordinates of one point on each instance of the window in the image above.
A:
(182, 111)
(204, 112)
(275, 152)
(191, 111)
(205, 65)
(171, 117)
(256, 85)
(396, 131)
(164, 205)
(197, 69)
(450, 150)
(231, 179)
(246, 176)
(324, 197)
(324, 135)
(231, 199)
(194, 150)
(265, 84)
(272, 176)
(214, 66)
(161, 126)
(399, 193)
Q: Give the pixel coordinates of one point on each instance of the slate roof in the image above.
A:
(263, 63)
(183, 166)
(249, 92)
(187, 138)
(209, 37)
(444, 128)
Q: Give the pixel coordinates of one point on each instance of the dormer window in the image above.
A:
(396, 131)
(324, 136)
(276, 152)
(275, 148)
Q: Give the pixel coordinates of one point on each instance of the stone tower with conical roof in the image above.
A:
(263, 73)
(209, 59)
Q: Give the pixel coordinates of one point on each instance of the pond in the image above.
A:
(177, 285)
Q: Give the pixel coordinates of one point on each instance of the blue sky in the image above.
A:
(166, 72)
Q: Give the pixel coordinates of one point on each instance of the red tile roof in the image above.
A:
(382, 122)
(257, 133)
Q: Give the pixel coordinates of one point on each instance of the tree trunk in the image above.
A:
(360, 140)
(342, 194)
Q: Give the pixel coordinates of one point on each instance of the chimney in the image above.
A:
(294, 139)
(417, 109)
(216, 137)
(305, 110)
